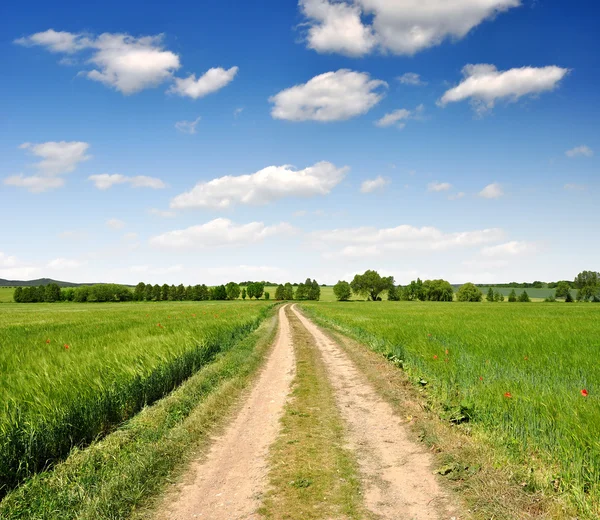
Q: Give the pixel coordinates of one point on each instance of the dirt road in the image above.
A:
(396, 473)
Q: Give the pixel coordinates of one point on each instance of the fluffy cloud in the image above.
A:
(580, 151)
(438, 186)
(115, 223)
(399, 117)
(333, 96)
(105, 181)
(373, 242)
(457, 196)
(56, 158)
(411, 78)
(188, 127)
(358, 27)
(217, 233)
(161, 213)
(513, 248)
(13, 269)
(492, 191)
(484, 84)
(271, 183)
(371, 185)
(213, 80)
(129, 64)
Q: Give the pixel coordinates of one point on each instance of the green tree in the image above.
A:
(18, 295)
(414, 291)
(148, 293)
(244, 293)
(280, 292)
(219, 293)
(164, 292)
(301, 292)
(371, 284)
(569, 298)
(437, 291)
(562, 289)
(469, 293)
(156, 292)
(233, 291)
(490, 295)
(512, 297)
(288, 291)
(81, 294)
(52, 293)
(259, 290)
(342, 291)
(139, 292)
(498, 296)
(588, 285)
(524, 297)
(267, 295)
(314, 291)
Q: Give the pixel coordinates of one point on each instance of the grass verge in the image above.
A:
(117, 477)
(313, 476)
(490, 481)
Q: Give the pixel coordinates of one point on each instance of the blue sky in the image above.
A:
(282, 140)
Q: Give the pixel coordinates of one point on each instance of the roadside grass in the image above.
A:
(497, 476)
(313, 475)
(122, 475)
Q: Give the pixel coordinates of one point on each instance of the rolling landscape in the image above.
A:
(310, 260)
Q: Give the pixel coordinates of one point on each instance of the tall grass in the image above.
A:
(516, 371)
(70, 374)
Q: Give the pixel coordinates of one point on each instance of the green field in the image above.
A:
(6, 294)
(514, 371)
(72, 372)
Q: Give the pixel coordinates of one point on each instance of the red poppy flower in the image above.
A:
(508, 395)
(66, 347)
(435, 356)
(526, 358)
(584, 393)
(447, 352)
(159, 325)
(480, 378)
(47, 341)
(428, 335)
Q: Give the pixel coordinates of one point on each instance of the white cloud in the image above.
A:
(161, 213)
(457, 196)
(105, 181)
(514, 248)
(7, 261)
(213, 80)
(438, 186)
(271, 183)
(484, 84)
(393, 118)
(411, 78)
(492, 191)
(12, 269)
(188, 127)
(129, 64)
(64, 263)
(371, 185)
(373, 242)
(115, 223)
(130, 237)
(238, 112)
(217, 233)
(58, 157)
(333, 96)
(358, 27)
(580, 151)
(34, 183)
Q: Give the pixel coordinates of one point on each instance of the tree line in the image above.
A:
(309, 290)
(371, 285)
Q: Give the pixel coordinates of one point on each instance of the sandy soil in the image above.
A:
(228, 483)
(398, 476)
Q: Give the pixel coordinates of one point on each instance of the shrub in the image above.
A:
(524, 297)
(512, 297)
(342, 291)
(490, 295)
(469, 293)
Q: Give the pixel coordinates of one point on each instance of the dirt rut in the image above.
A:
(398, 478)
(228, 483)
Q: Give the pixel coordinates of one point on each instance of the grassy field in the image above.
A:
(517, 372)
(70, 373)
(6, 294)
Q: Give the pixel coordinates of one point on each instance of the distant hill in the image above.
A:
(39, 281)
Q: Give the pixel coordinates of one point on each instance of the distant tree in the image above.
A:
(18, 295)
(244, 293)
(524, 297)
(164, 292)
(550, 299)
(139, 292)
(233, 291)
(342, 291)
(301, 292)
(537, 285)
(68, 294)
(498, 296)
(259, 290)
(469, 293)
(490, 295)
(414, 291)
(267, 295)
(81, 294)
(512, 297)
(394, 293)
(371, 284)
(189, 293)
(437, 291)
(204, 293)
(172, 293)
(280, 292)
(588, 285)
(52, 293)
(148, 293)
(314, 290)
(251, 290)
(562, 289)
(219, 293)
(569, 298)
(288, 291)
(156, 292)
